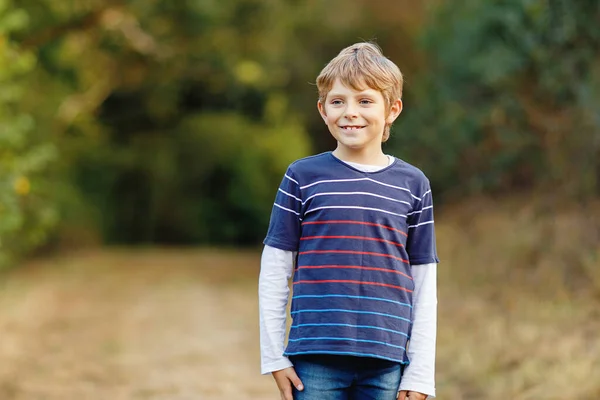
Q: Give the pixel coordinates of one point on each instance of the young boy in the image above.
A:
(357, 225)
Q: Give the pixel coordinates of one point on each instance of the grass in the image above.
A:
(519, 316)
(519, 301)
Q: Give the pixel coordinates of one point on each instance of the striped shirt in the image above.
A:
(356, 234)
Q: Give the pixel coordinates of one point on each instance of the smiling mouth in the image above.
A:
(351, 127)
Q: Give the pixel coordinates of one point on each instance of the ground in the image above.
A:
(182, 324)
(131, 325)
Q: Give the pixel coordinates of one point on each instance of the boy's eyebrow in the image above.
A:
(365, 92)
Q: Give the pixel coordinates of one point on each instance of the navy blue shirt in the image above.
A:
(356, 234)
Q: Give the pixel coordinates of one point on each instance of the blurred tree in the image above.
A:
(134, 77)
(175, 120)
(510, 98)
(27, 208)
(158, 73)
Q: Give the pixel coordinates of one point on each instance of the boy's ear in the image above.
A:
(395, 110)
(321, 109)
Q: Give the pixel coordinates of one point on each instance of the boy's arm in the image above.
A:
(276, 269)
(419, 375)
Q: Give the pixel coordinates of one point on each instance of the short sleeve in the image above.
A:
(284, 226)
(420, 245)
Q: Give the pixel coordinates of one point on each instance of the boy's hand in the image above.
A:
(408, 395)
(285, 378)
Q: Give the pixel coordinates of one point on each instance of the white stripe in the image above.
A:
(346, 193)
(420, 211)
(293, 180)
(422, 223)
(291, 195)
(426, 193)
(333, 180)
(286, 209)
(360, 179)
(354, 207)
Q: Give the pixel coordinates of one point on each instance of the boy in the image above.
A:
(358, 227)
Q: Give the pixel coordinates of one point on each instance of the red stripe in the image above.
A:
(353, 267)
(353, 223)
(354, 252)
(357, 282)
(353, 237)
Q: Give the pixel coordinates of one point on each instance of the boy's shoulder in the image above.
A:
(410, 171)
(312, 163)
(311, 160)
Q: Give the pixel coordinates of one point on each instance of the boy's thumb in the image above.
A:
(296, 381)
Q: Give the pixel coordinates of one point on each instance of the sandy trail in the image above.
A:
(152, 325)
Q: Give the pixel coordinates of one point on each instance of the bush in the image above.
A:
(211, 181)
(510, 98)
(28, 211)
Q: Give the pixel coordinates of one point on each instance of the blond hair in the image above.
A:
(360, 64)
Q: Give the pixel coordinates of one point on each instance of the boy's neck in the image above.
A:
(362, 156)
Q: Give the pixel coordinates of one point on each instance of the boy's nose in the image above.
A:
(351, 112)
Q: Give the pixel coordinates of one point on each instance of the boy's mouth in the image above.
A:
(351, 127)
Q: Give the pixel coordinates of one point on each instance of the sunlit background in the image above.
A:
(142, 143)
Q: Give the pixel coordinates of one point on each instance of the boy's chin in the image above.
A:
(350, 145)
(356, 144)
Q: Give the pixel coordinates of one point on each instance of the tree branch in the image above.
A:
(81, 23)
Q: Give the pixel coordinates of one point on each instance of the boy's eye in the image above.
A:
(336, 102)
(365, 101)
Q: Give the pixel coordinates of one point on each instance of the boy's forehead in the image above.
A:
(355, 86)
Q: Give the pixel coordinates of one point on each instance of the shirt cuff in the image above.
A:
(418, 387)
(276, 366)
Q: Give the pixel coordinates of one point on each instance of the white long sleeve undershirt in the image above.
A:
(276, 269)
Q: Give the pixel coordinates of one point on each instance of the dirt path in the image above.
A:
(182, 324)
(152, 325)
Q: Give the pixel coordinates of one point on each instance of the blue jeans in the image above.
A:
(333, 377)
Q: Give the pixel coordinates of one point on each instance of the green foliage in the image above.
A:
(196, 128)
(211, 180)
(510, 97)
(134, 95)
(173, 122)
(27, 208)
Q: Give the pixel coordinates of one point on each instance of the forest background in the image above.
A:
(130, 128)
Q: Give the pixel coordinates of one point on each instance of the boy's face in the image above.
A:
(356, 119)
